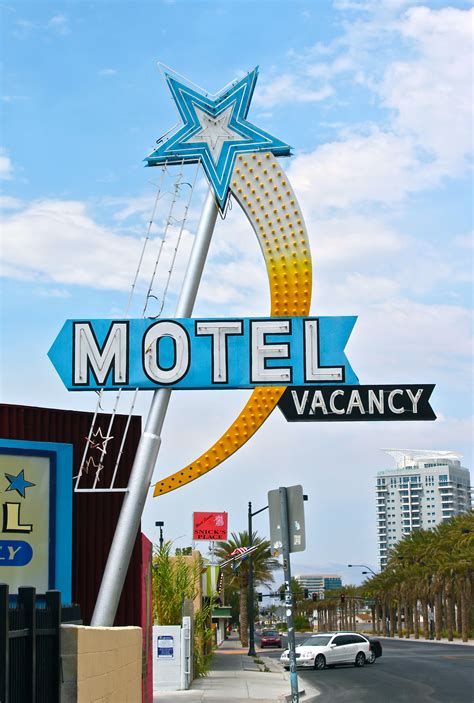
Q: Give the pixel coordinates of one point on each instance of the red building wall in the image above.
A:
(95, 515)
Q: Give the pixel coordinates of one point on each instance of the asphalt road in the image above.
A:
(408, 672)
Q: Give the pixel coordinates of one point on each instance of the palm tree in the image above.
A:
(430, 568)
(263, 566)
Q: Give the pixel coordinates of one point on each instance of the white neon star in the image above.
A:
(215, 131)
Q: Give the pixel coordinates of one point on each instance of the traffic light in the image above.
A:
(314, 596)
(343, 598)
(306, 593)
(282, 595)
(260, 597)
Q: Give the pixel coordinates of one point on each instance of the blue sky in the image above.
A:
(375, 99)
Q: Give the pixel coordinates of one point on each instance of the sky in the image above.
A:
(374, 97)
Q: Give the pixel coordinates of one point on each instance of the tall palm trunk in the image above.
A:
(466, 606)
(416, 618)
(426, 622)
(399, 617)
(449, 608)
(438, 614)
(392, 618)
(408, 620)
(459, 612)
(384, 617)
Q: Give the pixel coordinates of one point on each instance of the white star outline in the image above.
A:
(102, 444)
(215, 131)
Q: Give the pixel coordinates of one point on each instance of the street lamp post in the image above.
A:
(160, 524)
(251, 652)
(371, 571)
(363, 566)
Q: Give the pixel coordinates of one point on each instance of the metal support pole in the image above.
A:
(149, 445)
(251, 615)
(285, 538)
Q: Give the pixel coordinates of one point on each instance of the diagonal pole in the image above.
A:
(149, 445)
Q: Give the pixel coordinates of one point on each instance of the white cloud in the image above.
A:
(6, 166)
(7, 202)
(14, 98)
(412, 341)
(465, 241)
(379, 167)
(60, 24)
(108, 72)
(432, 94)
(58, 242)
(350, 239)
(52, 293)
(286, 88)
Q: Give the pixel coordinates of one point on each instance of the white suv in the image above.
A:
(330, 648)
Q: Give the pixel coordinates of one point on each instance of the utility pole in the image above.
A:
(250, 601)
(285, 539)
(251, 615)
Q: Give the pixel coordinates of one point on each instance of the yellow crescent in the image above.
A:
(262, 189)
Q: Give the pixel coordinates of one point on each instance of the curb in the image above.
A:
(456, 643)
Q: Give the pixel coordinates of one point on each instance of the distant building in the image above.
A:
(319, 583)
(424, 489)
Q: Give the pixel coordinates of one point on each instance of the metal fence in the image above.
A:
(30, 645)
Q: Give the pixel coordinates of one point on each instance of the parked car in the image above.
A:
(270, 638)
(329, 649)
(375, 650)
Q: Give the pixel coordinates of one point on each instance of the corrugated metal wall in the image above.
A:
(94, 514)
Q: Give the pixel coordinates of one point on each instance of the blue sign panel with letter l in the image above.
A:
(203, 353)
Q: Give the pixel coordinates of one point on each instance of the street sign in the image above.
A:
(209, 526)
(352, 403)
(192, 354)
(296, 524)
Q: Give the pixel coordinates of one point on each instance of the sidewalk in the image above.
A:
(235, 678)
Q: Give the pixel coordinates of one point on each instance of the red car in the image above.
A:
(270, 638)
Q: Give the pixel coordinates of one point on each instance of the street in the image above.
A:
(411, 672)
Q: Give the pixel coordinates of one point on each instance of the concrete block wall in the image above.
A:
(101, 664)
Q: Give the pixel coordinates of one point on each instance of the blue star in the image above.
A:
(19, 483)
(214, 131)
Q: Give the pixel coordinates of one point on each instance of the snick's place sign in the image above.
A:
(203, 353)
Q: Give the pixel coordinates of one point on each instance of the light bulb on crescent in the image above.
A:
(263, 191)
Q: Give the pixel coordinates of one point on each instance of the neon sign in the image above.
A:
(203, 353)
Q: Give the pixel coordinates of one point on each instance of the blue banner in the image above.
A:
(203, 353)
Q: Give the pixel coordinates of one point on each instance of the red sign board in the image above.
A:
(209, 526)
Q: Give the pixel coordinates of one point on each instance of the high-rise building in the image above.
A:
(319, 583)
(424, 489)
